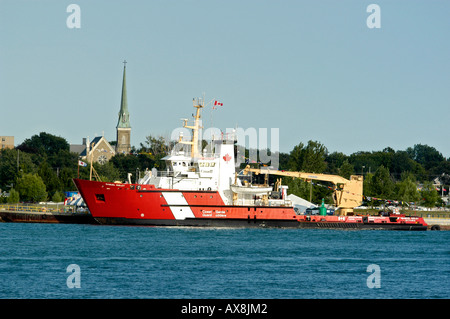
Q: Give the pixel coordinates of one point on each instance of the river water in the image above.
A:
(61, 261)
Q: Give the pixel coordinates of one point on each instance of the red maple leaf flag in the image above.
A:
(218, 103)
(227, 157)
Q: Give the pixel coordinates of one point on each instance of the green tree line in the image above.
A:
(404, 176)
(42, 168)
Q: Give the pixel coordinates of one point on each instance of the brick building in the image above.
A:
(6, 142)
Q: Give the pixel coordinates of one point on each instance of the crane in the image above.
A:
(347, 193)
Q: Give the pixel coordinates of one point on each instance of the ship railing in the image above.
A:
(44, 208)
(260, 202)
(168, 173)
(209, 156)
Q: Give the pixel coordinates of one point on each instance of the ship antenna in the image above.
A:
(198, 104)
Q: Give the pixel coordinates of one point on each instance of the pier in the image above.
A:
(48, 213)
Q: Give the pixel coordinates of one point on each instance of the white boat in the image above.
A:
(251, 189)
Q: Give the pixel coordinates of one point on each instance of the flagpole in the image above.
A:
(91, 149)
(90, 174)
(78, 165)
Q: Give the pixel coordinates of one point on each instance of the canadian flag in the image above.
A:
(81, 163)
(218, 103)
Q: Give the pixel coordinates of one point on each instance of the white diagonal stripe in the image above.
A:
(174, 200)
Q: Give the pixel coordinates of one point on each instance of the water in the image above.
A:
(153, 262)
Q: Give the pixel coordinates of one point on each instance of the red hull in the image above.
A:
(132, 204)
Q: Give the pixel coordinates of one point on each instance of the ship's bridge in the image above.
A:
(179, 163)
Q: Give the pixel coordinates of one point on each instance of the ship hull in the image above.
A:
(242, 223)
(145, 205)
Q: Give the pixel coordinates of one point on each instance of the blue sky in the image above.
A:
(313, 69)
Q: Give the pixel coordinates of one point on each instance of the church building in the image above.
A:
(123, 145)
(99, 150)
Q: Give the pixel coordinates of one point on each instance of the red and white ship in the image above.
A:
(204, 190)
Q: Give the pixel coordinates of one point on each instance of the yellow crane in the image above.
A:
(347, 193)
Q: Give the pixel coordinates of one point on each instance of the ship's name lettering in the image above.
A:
(219, 213)
(207, 213)
(206, 164)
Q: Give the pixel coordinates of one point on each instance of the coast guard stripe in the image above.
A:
(174, 200)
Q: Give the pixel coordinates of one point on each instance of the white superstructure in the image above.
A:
(198, 170)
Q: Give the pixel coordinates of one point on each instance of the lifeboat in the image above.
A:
(250, 189)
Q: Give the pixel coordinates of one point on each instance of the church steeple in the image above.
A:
(123, 125)
(124, 115)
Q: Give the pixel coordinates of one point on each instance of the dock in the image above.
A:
(15, 213)
(443, 223)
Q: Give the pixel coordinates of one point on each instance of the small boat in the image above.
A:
(251, 189)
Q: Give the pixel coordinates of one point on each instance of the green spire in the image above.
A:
(124, 115)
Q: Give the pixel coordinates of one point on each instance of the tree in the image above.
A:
(66, 176)
(283, 161)
(57, 197)
(309, 158)
(13, 197)
(346, 170)
(401, 162)
(381, 183)
(49, 177)
(107, 171)
(125, 164)
(295, 162)
(443, 171)
(429, 195)
(63, 158)
(31, 188)
(367, 185)
(156, 146)
(426, 155)
(335, 161)
(371, 161)
(407, 189)
(44, 144)
(155, 149)
(12, 162)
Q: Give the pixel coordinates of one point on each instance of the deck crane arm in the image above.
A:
(347, 193)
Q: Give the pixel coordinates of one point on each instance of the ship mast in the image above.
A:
(198, 104)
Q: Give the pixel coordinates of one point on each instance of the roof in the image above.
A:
(77, 148)
(93, 144)
(300, 201)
